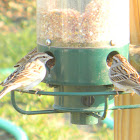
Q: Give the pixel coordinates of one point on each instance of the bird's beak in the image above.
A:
(50, 57)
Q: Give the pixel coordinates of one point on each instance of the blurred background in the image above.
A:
(17, 38)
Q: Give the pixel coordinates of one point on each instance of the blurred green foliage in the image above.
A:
(15, 45)
(17, 37)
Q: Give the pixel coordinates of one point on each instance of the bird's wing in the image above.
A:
(26, 58)
(10, 77)
(24, 74)
(125, 75)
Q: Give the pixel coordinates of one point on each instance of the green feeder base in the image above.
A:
(82, 108)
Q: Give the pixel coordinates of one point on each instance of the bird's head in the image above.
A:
(119, 59)
(43, 57)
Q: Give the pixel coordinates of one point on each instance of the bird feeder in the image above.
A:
(81, 36)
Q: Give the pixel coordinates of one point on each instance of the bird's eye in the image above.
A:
(115, 61)
(44, 57)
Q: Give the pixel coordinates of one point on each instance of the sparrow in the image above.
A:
(28, 75)
(123, 75)
(26, 57)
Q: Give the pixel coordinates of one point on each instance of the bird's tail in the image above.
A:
(137, 90)
(4, 91)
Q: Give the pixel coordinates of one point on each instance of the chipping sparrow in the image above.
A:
(28, 75)
(25, 58)
(123, 75)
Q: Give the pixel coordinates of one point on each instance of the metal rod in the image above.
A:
(71, 110)
(105, 111)
(125, 107)
(72, 93)
(30, 112)
(105, 108)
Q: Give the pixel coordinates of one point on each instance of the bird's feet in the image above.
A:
(20, 91)
(23, 91)
(37, 90)
(117, 94)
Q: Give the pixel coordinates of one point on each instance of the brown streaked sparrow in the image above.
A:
(25, 58)
(27, 75)
(123, 75)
